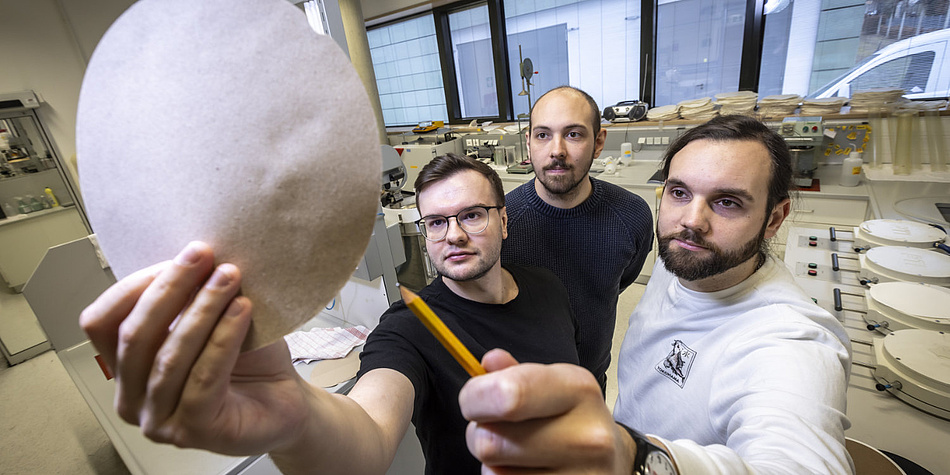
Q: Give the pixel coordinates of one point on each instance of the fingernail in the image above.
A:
(189, 255)
(235, 308)
(220, 278)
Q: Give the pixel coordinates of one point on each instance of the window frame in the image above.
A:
(496, 15)
(753, 38)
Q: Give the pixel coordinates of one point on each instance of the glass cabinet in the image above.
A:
(38, 200)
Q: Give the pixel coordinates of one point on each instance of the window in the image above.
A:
(843, 46)
(778, 23)
(590, 44)
(450, 64)
(474, 62)
(698, 45)
(408, 73)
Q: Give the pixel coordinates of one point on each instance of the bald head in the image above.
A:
(569, 90)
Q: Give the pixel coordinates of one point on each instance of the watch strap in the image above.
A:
(644, 447)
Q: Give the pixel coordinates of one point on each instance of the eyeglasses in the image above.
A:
(472, 220)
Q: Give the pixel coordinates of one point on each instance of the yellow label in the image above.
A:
(855, 170)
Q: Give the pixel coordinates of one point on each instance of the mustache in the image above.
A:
(558, 164)
(691, 236)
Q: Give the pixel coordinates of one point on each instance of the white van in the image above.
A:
(919, 64)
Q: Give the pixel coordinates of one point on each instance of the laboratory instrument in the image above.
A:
(804, 136)
(417, 155)
(882, 414)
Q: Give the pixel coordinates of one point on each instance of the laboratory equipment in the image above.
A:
(804, 136)
(526, 70)
(913, 366)
(908, 264)
(832, 257)
(890, 420)
(485, 147)
(893, 306)
(897, 232)
(428, 126)
(497, 146)
(415, 156)
(394, 176)
(520, 168)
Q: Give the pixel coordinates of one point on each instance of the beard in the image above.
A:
(484, 261)
(562, 184)
(687, 266)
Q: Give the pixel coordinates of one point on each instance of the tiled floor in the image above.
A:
(45, 425)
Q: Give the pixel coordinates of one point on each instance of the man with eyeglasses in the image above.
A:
(594, 235)
(256, 402)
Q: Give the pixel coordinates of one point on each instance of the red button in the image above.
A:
(812, 272)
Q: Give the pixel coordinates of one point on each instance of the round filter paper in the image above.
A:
(230, 122)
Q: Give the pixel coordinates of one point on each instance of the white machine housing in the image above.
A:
(896, 306)
(914, 365)
(897, 232)
(901, 263)
(416, 156)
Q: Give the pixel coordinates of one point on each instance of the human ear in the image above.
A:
(779, 212)
(599, 142)
(503, 212)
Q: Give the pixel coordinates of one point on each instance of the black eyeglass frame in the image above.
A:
(422, 227)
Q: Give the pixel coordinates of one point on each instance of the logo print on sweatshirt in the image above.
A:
(676, 365)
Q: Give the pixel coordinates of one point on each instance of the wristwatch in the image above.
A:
(651, 459)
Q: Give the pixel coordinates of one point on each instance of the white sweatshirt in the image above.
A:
(751, 379)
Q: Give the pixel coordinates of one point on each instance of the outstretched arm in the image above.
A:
(172, 335)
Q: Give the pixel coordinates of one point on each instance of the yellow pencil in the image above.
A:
(441, 332)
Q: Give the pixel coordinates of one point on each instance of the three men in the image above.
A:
(594, 235)
(190, 386)
(726, 363)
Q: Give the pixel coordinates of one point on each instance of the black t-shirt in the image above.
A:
(537, 326)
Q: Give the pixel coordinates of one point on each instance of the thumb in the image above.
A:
(498, 359)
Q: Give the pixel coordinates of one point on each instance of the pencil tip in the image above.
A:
(406, 294)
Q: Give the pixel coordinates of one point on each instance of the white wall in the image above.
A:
(44, 46)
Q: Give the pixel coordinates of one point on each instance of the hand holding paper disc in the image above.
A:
(230, 122)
